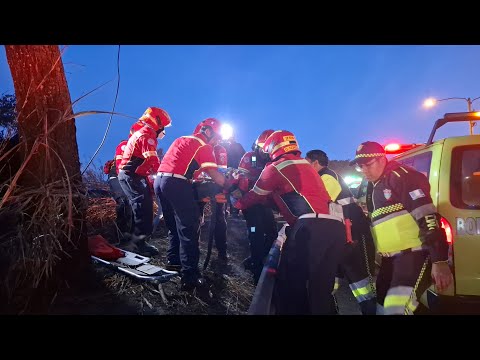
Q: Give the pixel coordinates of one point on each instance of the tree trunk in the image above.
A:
(43, 100)
(48, 190)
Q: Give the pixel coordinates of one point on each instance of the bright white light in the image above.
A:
(226, 131)
(430, 102)
(352, 179)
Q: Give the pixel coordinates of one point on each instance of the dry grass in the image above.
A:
(47, 219)
(230, 288)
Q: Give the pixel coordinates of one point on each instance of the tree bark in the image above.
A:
(49, 173)
(43, 100)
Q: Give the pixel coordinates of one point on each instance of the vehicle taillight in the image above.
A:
(392, 147)
(448, 230)
(395, 148)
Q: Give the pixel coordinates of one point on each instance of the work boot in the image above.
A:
(189, 285)
(173, 267)
(138, 245)
(223, 257)
(147, 250)
(222, 260)
(248, 264)
(124, 238)
(369, 307)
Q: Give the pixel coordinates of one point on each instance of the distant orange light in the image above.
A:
(477, 113)
(392, 147)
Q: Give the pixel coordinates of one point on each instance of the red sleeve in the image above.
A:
(205, 157)
(245, 163)
(148, 147)
(119, 155)
(268, 181)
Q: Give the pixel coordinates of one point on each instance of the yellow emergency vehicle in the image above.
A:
(452, 166)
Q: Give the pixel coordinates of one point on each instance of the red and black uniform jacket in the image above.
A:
(119, 154)
(188, 154)
(140, 154)
(294, 186)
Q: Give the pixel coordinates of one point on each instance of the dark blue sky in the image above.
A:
(330, 97)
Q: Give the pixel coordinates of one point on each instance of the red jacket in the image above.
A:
(188, 154)
(140, 154)
(119, 154)
(294, 186)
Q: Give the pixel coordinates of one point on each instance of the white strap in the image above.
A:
(172, 175)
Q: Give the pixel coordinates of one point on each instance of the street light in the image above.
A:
(430, 102)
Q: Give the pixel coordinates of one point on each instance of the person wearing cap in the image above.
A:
(311, 252)
(181, 212)
(358, 261)
(406, 229)
(139, 159)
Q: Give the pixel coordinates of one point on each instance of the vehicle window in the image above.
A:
(420, 162)
(465, 177)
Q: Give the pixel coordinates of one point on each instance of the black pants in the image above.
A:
(308, 264)
(396, 280)
(138, 193)
(262, 232)
(357, 265)
(182, 217)
(123, 208)
(220, 228)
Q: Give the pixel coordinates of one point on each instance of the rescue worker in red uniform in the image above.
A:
(358, 261)
(261, 224)
(139, 160)
(310, 254)
(220, 219)
(406, 229)
(173, 185)
(123, 209)
(135, 127)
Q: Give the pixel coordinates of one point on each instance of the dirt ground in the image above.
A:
(106, 292)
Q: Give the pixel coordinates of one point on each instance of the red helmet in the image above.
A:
(135, 127)
(157, 118)
(212, 122)
(261, 139)
(280, 142)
